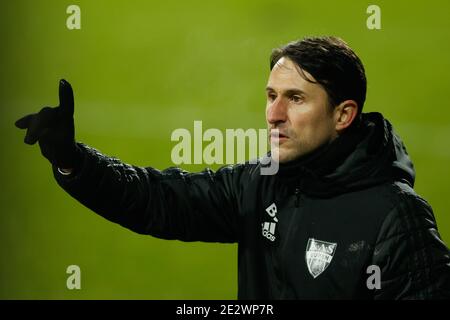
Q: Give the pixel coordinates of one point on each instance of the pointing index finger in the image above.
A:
(66, 97)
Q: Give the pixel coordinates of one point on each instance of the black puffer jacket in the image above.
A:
(342, 223)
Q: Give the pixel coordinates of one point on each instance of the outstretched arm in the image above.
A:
(170, 204)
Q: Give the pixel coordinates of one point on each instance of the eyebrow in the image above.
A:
(290, 91)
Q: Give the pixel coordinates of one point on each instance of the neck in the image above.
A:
(324, 159)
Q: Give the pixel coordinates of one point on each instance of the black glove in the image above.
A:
(55, 130)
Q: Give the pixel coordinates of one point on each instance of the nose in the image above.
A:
(276, 111)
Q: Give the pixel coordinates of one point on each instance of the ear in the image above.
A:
(344, 114)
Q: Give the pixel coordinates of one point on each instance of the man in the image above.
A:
(339, 220)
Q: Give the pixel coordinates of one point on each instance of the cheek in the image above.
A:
(301, 121)
(309, 124)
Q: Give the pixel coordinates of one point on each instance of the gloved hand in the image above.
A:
(55, 130)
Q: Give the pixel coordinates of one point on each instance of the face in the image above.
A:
(299, 110)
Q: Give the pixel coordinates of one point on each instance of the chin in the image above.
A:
(283, 156)
(288, 155)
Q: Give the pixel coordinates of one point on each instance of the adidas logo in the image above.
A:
(268, 228)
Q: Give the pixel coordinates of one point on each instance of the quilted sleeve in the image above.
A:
(169, 204)
(413, 260)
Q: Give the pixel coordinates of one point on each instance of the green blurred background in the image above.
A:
(141, 69)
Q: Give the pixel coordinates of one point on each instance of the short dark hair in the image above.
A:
(332, 63)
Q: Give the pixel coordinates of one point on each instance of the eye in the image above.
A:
(271, 96)
(296, 99)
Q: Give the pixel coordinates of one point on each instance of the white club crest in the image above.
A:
(319, 255)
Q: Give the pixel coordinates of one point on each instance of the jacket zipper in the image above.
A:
(297, 197)
(283, 253)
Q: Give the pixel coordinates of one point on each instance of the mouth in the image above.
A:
(278, 136)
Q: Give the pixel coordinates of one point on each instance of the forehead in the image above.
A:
(287, 75)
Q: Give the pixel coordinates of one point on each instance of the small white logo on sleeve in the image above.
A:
(268, 228)
(319, 255)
